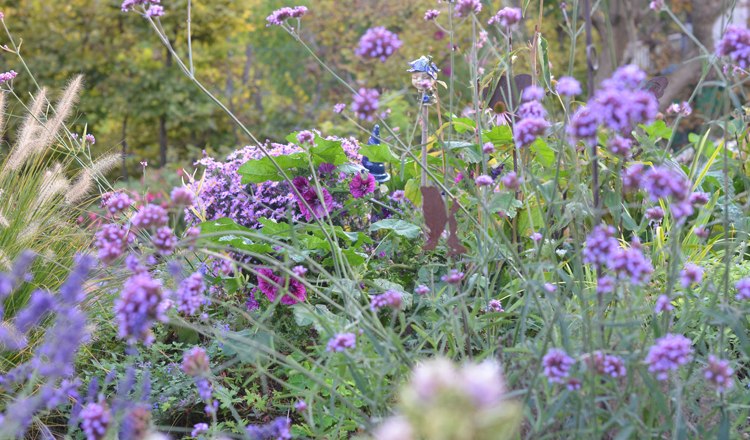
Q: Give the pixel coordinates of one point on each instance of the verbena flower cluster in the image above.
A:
(669, 353)
(281, 15)
(735, 44)
(378, 43)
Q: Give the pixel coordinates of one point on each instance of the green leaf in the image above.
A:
(271, 227)
(379, 153)
(499, 135)
(227, 232)
(353, 257)
(412, 192)
(463, 125)
(469, 152)
(658, 130)
(544, 153)
(328, 151)
(399, 227)
(263, 170)
(505, 202)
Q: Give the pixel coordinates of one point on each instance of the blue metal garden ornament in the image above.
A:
(377, 169)
(424, 64)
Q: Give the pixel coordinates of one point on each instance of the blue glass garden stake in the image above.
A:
(377, 169)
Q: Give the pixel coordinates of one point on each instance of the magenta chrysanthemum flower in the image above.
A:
(668, 353)
(568, 86)
(557, 365)
(279, 16)
(164, 240)
(583, 125)
(495, 306)
(95, 420)
(378, 43)
(506, 17)
(454, 276)
(743, 289)
(150, 216)
(116, 202)
(719, 374)
(182, 196)
(464, 8)
(607, 364)
(361, 185)
(483, 180)
(422, 290)
(195, 362)
(365, 104)
(431, 14)
(391, 299)
(691, 274)
(600, 246)
(141, 303)
(190, 294)
(342, 342)
(269, 283)
(111, 242)
(663, 304)
(735, 44)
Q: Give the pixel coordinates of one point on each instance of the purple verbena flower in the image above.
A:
(568, 86)
(735, 44)
(198, 429)
(620, 146)
(557, 365)
(155, 11)
(111, 241)
(190, 294)
(431, 14)
(495, 306)
(182, 196)
(527, 130)
(630, 264)
(743, 289)
(164, 240)
(40, 304)
(279, 16)
(195, 362)
(95, 420)
(276, 430)
(531, 109)
(583, 125)
(378, 43)
(365, 104)
(391, 299)
(116, 202)
(600, 246)
(488, 148)
(306, 137)
(422, 290)
(300, 406)
(341, 342)
(605, 284)
(691, 274)
(667, 354)
(339, 107)
(655, 214)
(506, 17)
(665, 183)
(532, 93)
(150, 216)
(7, 76)
(398, 196)
(607, 364)
(454, 276)
(464, 8)
(483, 180)
(632, 177)
(141, 303)
(719, 374)
(511, 181)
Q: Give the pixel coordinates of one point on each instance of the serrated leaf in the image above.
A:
(328, 151)
(263, 170)
(499, 135)
(378, 153)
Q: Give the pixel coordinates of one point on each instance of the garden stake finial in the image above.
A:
(377, 169)
(424, 75)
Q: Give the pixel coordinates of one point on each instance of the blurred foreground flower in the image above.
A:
(445, 401)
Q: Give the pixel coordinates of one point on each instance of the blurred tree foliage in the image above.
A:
(138, 101)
